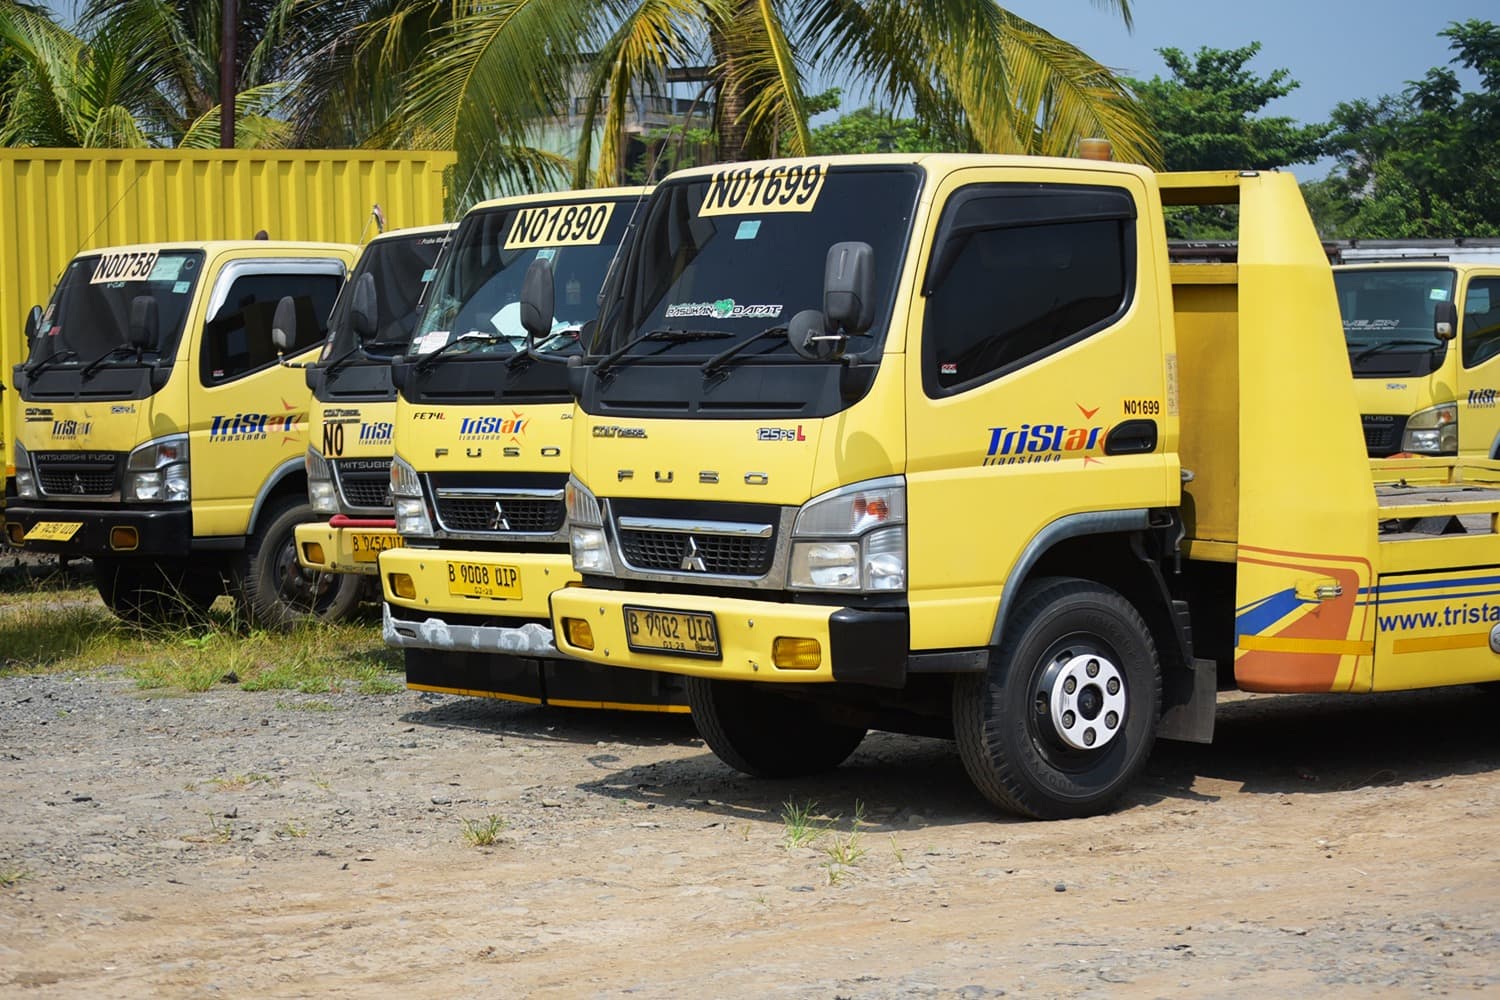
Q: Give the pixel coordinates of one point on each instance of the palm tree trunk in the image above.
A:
(730, 104)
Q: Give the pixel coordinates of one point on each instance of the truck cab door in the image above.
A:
(1479, 354)
(1036, 380)
(248, 412)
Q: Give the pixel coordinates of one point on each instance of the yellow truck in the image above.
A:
(352, 430)
(160, 437)
(1423, 329)
(972, 456)
(483, 423)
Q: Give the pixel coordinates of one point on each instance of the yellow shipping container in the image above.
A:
(55, 203)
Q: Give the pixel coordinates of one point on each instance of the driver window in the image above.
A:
(1480, 325)
(237, 338)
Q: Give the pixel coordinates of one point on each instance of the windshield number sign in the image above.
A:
(135, 265)
(576, 225)
(785, 187)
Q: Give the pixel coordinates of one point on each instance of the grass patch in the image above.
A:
(13, 875)
(315, 705)
(235, 782)
(799, 828)
(483, 832)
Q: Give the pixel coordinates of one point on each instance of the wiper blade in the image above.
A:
(50, 360)
(97, 363)
(428, 360)
(1386, 345)
(720, 360)
(617, 356)
(344, 359)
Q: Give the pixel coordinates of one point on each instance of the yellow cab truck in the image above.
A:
(977, 459)
(1422, 320)
(160, 437)
(483, 425)
(352, 429)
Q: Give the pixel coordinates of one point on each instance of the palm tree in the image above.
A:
(1003, 83)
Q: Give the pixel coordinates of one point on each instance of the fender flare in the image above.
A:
(1103, 522)
(290, 467)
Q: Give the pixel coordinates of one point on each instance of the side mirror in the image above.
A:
(364, 308)
(808, 334)
(144, 322)
(33, 323)
(1445, 321)
(537, 302)
(284, 324)
(849, 287)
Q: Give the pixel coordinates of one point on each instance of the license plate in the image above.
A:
(467, 579)
(680, 633)
(53, 531)
(367, 546)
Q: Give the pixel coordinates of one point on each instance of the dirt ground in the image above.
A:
(285, 845)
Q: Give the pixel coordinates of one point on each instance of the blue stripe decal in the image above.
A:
(1259, 617)
(1385, 601)
(1391, 588)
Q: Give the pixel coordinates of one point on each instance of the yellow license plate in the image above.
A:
(680, 633)
(53, 531)
(367, 546)
(467, 579)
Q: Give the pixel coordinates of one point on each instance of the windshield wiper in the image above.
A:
(617, 356)
(720, 360)
(1386, 345)
(343, 359)
(50, 360)
(97, 363)
(488, 339)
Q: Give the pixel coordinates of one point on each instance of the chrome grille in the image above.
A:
(365, 482)
(501, 513)
(65, 474)
(675, 552)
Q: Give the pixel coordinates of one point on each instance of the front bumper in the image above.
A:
(535, 574)
(345, 548)
(858, 645)
(162, 533)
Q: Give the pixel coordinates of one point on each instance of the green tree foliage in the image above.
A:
(870, 130)
(1424, 163)
(1207, 115)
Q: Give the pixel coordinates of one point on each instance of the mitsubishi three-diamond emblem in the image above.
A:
(78, 489)
(691, 560)
(497, 519)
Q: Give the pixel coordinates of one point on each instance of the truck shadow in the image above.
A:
(546, 724)
(1263, 745)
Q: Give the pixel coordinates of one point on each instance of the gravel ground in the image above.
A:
(292, 845)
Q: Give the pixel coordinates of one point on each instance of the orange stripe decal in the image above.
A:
(1299, 644)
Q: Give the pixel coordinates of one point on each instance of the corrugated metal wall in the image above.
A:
(57, 202)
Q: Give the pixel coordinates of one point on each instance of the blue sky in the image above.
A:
(1339, 50)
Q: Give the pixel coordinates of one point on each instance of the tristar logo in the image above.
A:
(376, 433)
(71, 428)
(779, 433)
(493, 428)
(1028, 443)
(615, 431)
(1482, 399)
(251, 426)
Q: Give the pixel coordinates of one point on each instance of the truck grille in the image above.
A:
(78, 474)
(719, 555)
(501, 514)
(1382, 433)
(365, 482)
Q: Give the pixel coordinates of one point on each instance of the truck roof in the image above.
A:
(581, 194)
(391, 234)
(934, 162)
(220, 246)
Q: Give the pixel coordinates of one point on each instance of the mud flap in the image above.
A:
(1188, 701)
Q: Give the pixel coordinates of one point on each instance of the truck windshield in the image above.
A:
(400, 266)
(1389, 317)
(90, 312)
(742, 250)
(476, 294)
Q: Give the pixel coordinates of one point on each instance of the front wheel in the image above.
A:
(274, 590)
(765, 733)
(1065, 716)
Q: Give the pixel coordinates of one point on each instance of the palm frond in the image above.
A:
(764, 67)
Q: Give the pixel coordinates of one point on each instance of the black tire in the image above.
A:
(766, 734)
(1011, 722)
(167, 592)
(274, 591)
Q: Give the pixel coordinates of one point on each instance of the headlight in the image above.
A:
(1433, 431)
(586, 531)
(320, 490)
(25, 475)
(412, 517)
(852, 539)
(158, 472)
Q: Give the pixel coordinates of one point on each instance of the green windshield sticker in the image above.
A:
(747, 230)
(428, 274)
(546, 253)
(1439, 294)
(166, 269)
(181, 287)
